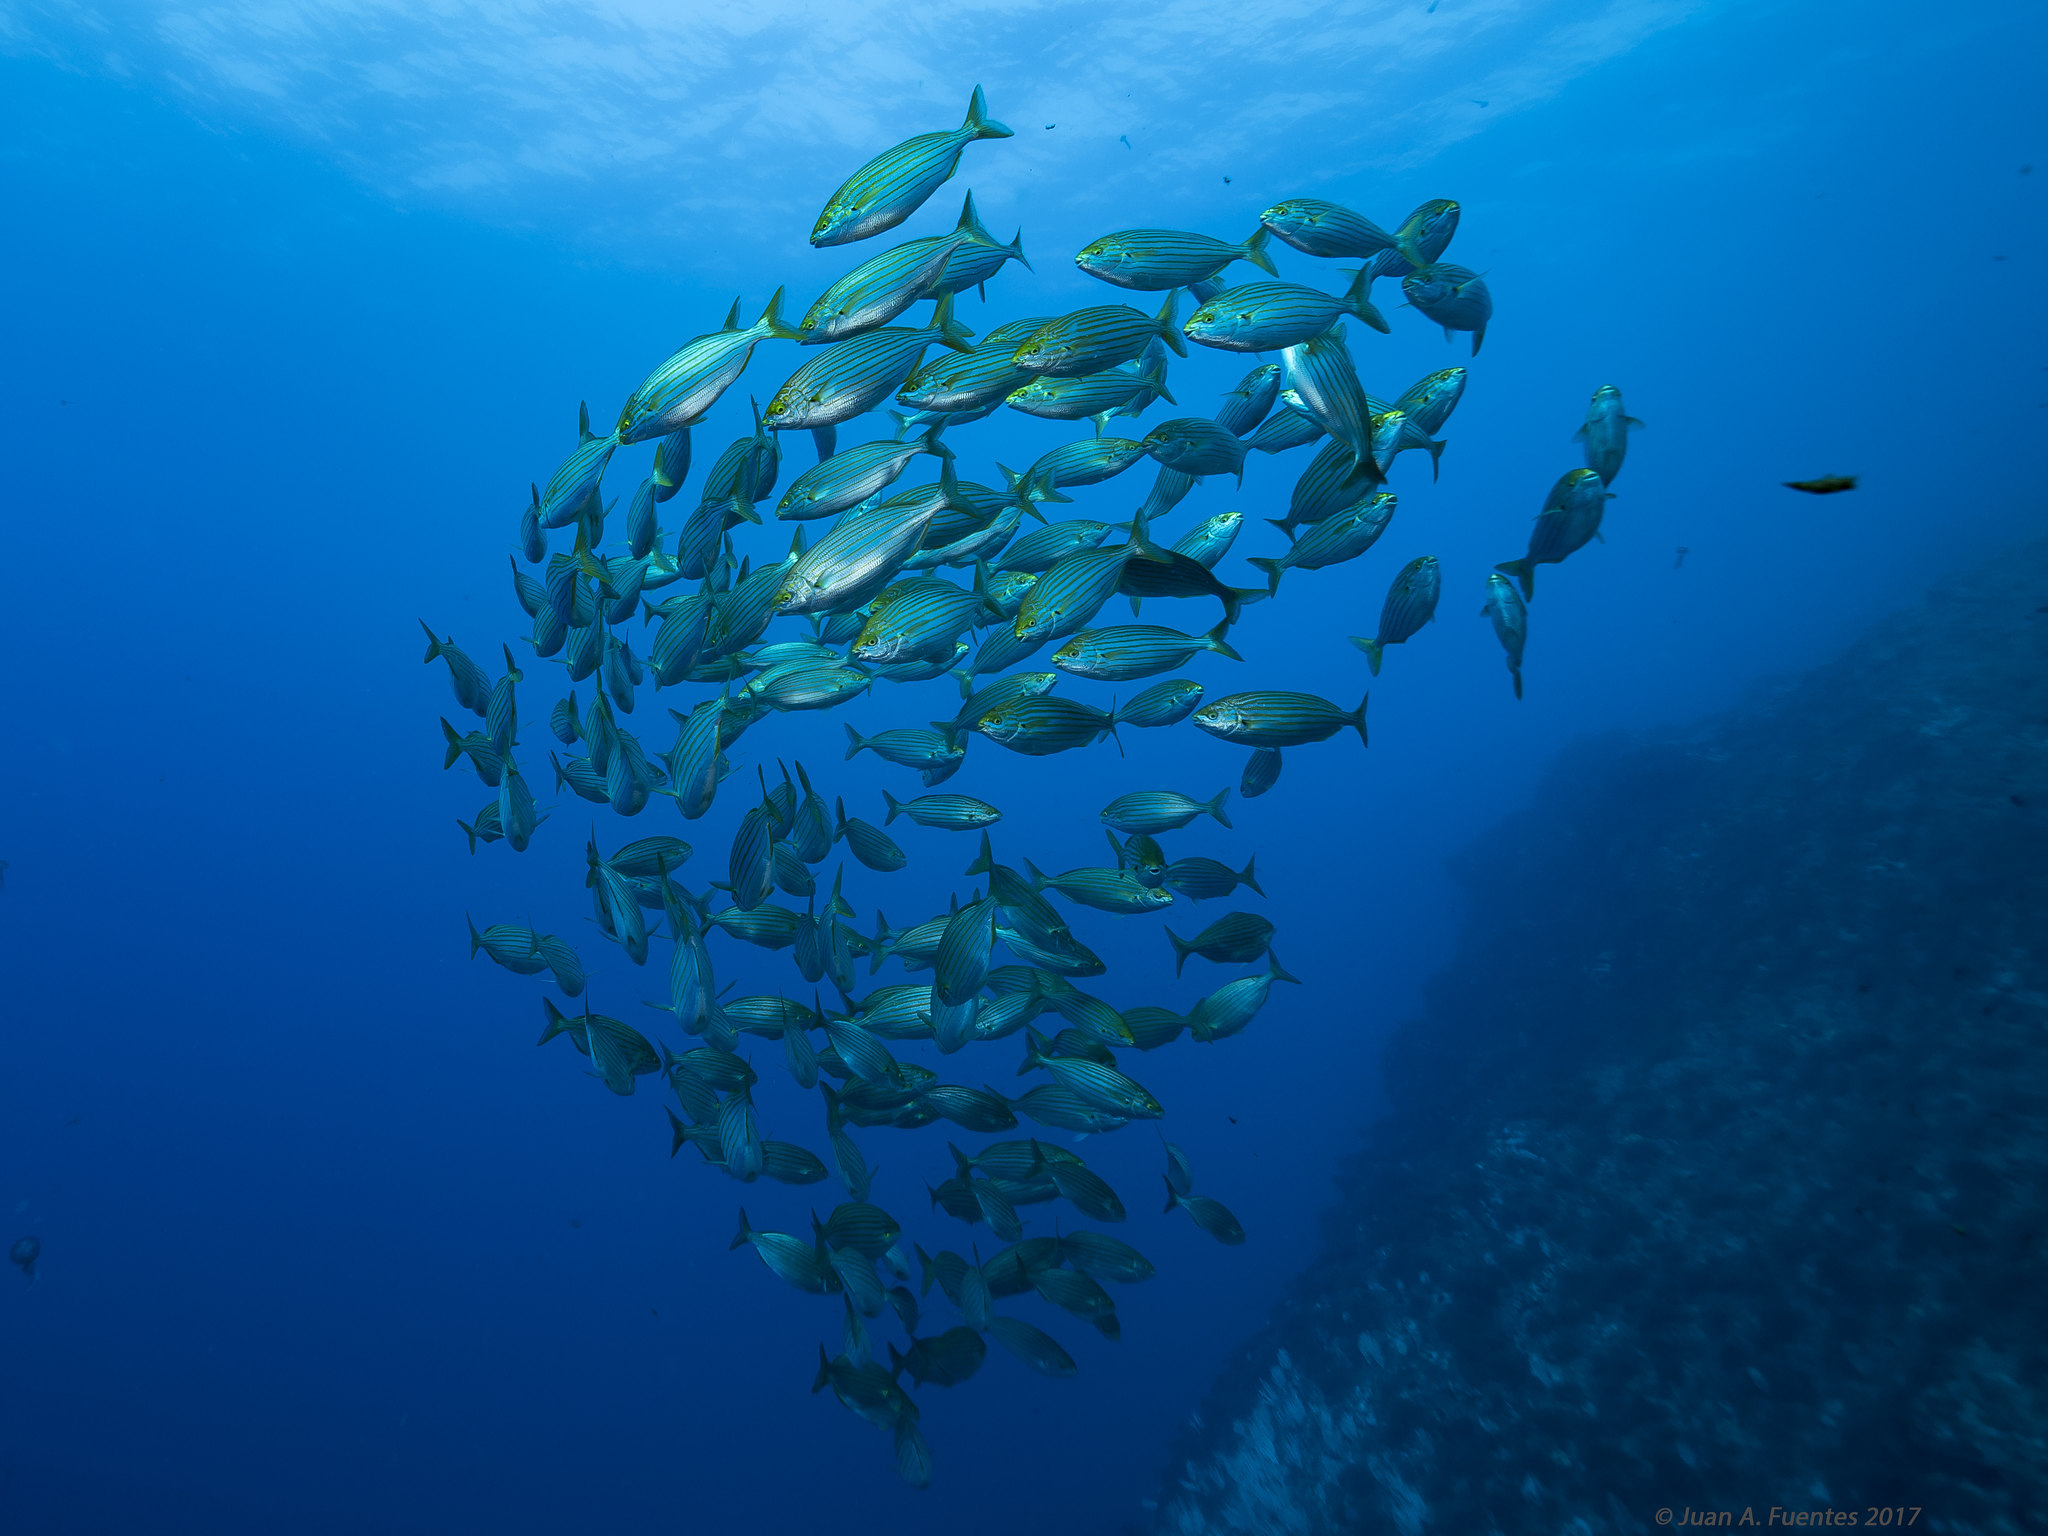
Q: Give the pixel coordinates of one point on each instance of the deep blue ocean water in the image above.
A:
(327, 1244)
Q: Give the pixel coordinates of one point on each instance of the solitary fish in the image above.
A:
(1605, 434)
(1411, 603)
(1278, 718)
(1212, 1216)
(23, 1255)
(1826, 485)
(893, 185)
(1161, 810)
(1510, 616)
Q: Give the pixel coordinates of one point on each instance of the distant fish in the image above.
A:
(1826, 485)
(1683, 551)
(1510, 616)
(23, 1255)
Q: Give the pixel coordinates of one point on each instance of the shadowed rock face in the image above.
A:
(1718, 1169)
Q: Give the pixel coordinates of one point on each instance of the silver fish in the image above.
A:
(894, 185)
(1410, 604)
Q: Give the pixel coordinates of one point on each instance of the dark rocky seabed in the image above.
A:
(1717, 1169)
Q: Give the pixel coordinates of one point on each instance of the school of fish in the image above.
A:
(971, 582)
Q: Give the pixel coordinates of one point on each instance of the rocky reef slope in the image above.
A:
(1717, 1175)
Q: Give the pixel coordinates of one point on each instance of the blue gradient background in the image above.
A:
(328, 1245)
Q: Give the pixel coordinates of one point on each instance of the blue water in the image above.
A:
(328, 1245)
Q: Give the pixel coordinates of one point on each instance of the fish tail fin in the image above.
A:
(1373, 652)
(1172, 1197)
(740, 1238)
(1272, 568)
(771, 319)
(1524, 574)
(433, 645)
(1215, 808)
(470, 832)
(928, 1269)
(839, 827)
(454, 744)
(958, 337)
(1275, 971)
(1180, 950)
(1015, 251)
(476, 940)
(982, 125)
(1356, 719)
(1255, 251)
(964, 678)
(984, 861)
(1100, 420)
(1168, 320)
(1517, 671)
(897, 1363)
(1249, 880)
(895, 810)
(1215, 641)
(1436, 458)
(854, 742)
(1037, 875)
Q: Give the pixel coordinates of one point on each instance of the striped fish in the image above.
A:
(512, 945)
(1570, 518)
(1087, 462)
(1323, 382)
(849, 478)
(791, 1259)
(472, 684)
(482, 753)
(807, 685)
(1233, 1005)
(953, 813)
(1106, 890)
(1394, 432)
(693, 762)
(1246, 406)
(1196, 446)
(916, 617)
(1199, 879)
(671, 464)
(1154, 259)
(1044, 548)
(1161, 810)
(1119, 652)
(1212, 1216)
(1058, 1106)
(960, 964)
(1456, 298)
(1125, 391)
(870, 844)
(894, 185)
(1288, 427)
(854, 562)
(517, 815)
(745, 470)
(690, 381)
(981, 700)
(1332, 483)
(1210, 540)
(978, 258)
(533, 543)
(1429, 401)
(1425, 232)
(1038, 727)
(977, 380)
(484, 827)
(1236, 938)
(575, 482)
(1605, 433)
(1102, 1087)
(1264, 317)
(1166, 703)
(1277, 718)
(1510, 616)
(1090, 340)
(1033, 1346)
(880, 288)
(1066, 597)
(852, 377)
(1334, 540)
(1319, 228)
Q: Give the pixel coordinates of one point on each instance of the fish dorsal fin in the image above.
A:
(583, 432)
